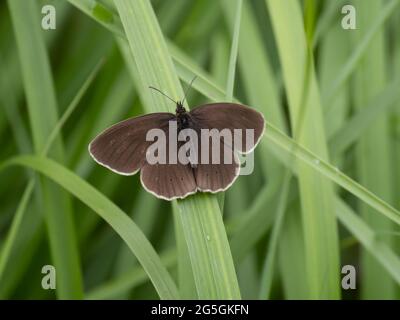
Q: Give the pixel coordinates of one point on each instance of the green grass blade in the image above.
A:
(249, 230)
(230, 83)
(329, 61)
(144, 214)
(12, 238)
(126, 281)
(263, 93)
(373, 149)
(356, 126)
(186, 281)
(18, 232)
(106, 108)
(317, 195)
(334, 174)
(9, 94)
(326, 19)
(70, 109)
(269, 264)
(42, 107)
(185, 275)
(113, 215)
(206, 238)
(292, 263)
(370, 240)
(360, 50)
(101, 13)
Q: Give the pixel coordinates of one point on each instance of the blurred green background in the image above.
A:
(326, 183)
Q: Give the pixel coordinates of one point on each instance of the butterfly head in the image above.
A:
(180, 109)
(182, 116)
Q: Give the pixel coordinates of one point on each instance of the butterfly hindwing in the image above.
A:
(168, 181)
(219, 173)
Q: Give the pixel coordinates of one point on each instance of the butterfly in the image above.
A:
(124, 148)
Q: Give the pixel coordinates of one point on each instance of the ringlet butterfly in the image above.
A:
(122, 148)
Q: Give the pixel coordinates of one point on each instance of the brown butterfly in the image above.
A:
(123, 148)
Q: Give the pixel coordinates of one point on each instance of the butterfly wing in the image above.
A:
(168, 178)
(122, 147)
(168, 181)
(231, 116)
(217, 174)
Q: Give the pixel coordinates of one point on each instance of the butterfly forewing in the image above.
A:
(122, 147)
(231, 116)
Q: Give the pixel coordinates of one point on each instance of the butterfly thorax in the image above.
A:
(182, 117)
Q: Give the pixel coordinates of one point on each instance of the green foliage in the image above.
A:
(325, 171)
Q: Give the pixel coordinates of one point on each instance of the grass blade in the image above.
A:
(355, 127)
(377, 247)
(114, 216)
(234, 51)
(269, 264)
(42, 107)
(317, 195)
(126, 281)
(373, 167)
(199, 213)
(360, 50)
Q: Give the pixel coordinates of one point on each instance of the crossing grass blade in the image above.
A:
(128, 280)
(112, 214)
(356, 126)
(317, 195)
(387, 258)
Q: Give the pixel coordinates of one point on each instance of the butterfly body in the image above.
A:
(182, 117)
(124, 148)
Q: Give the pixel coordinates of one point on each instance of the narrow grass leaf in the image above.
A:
(112, 214)
(267, 275)
(360, 50)
(155, 68)
(127, 281)
(42, 107)
(373, 149)
(355, 127)
(317, 195)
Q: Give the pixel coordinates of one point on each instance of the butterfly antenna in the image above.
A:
(158, 90)
(188, 88)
